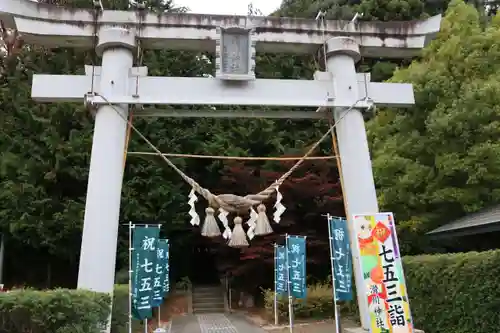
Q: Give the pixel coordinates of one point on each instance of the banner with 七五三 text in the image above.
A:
(341, 258)
(296, 255)
(166, 277)
(144, 253)
(161, 272)
(280, 270)
(382, 269)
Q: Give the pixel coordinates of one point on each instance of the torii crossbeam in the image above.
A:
(119, 32)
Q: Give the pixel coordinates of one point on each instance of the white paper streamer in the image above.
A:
(280, 209)
(195, 219)
(223, 218)
(251, 223)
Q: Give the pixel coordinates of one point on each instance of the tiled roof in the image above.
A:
(481, 218)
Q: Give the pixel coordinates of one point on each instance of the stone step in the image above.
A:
(207, 291)
(208, 297)
(209, 310)
(212, 295)
(207, 305)
(207, 287)
(208, 301)
(204, 304)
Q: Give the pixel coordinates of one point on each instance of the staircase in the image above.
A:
(208, 299)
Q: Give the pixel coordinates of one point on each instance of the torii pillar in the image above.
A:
(117, 84)
(359, 187)
(102, 207)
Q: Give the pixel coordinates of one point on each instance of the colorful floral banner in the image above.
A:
(382, 269)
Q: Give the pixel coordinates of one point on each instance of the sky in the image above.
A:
(228, 7)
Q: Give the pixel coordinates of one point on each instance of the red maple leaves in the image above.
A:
(308, 195)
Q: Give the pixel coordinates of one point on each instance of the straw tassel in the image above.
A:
(210, 227)
(263, 227)
(238, 238)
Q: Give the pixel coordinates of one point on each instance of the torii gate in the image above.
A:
(118, 34)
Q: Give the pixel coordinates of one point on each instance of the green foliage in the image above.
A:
(62, 311)
(440, 159)
(318, 303)
(183, 284)
(52, 311)
(374, 10)
(381, 10)
(455, 293)
(119, 318)
(452, 293)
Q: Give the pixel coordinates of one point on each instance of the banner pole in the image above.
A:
(290, 298)
(130, 228)
(275, 286)
(159, 316)
(145, 325)
(334, 288)
(159, 305)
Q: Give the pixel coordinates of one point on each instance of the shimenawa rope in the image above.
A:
(230, 202)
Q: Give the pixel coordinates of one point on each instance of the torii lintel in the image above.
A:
(212, 91)
(53, 26)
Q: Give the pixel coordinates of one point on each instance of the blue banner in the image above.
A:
(297, 265)
(144, 243)
(161, 272)
(280, 270)
(341, 258)
(166, 277)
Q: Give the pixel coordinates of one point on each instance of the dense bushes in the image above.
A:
(62, 311)
(455, 293)
(318, 303)
(53, 311)
(452, 293)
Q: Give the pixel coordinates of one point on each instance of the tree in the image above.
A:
(45, 153)
(440, 159)
(309, 194)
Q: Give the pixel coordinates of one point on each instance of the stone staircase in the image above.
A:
(208, 299)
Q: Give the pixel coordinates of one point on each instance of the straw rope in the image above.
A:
(230, 202)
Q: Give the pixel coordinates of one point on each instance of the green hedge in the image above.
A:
(455, 293)
(62, 311)
(52, 311)
(452, 293)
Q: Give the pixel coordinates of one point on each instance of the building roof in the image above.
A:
(483, 221)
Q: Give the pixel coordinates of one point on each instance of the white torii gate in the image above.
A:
(117, 82)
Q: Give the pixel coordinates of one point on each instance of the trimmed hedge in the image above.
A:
(450, 293)
(53, 311)
(455, 293)
(62, 311)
